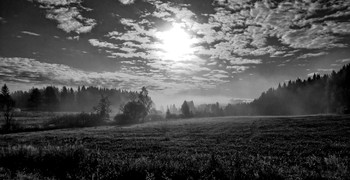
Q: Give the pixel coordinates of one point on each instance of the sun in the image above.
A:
(176, 43)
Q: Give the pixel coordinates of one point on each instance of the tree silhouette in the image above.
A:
(146, 101)
(51, 100)
(167, 114)
(185, 110)
(103, 108)
(7, 105)
(137, 109)
(35, 99)
(133, 112)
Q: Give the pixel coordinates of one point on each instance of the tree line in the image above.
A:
(133, 106)
(315, 95)
(67, 99)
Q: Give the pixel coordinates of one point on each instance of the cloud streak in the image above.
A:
(30, 33)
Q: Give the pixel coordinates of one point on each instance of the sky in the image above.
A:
(201, 50)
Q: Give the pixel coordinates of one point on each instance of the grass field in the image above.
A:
(35, 118)
(301, 147)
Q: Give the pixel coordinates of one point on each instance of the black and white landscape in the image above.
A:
(183, 89)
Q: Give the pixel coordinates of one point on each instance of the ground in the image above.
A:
(289, 147)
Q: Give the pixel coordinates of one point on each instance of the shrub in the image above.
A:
(123, 119)
(133, 112)
(76, 120)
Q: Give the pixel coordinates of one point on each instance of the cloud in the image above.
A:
(101, 44)
(344, 60)
(68, 15)
(325, 70)
(70, 20)
(311, 55)
(127, 2)
(237, 69)
(57, 2)
(30, 33)
(312, 74)
(170, 12)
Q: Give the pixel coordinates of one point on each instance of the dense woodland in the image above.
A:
(315, 95)
(51, 98)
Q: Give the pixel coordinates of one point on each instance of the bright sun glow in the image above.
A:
(176, 43)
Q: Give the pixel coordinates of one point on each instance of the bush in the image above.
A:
(76, 120)
(136, 110)
(133, 112)
(124, 119)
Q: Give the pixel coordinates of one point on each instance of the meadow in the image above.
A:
(285, 147)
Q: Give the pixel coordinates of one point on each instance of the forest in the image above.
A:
(327, 94)
(314, 95)
(83, 99)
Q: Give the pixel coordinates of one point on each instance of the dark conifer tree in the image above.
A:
(35, 100)
(185, 110)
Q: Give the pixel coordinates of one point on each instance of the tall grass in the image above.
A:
(75, 120)
(76, 162)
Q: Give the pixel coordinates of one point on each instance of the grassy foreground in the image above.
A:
(305, 147)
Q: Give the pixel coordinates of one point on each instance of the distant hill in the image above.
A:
(315, 95)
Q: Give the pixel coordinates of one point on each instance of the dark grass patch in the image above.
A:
(76, 162)
(58, 122)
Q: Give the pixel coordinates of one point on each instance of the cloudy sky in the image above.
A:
(205, 50)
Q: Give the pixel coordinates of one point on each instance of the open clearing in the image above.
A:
(271, 147)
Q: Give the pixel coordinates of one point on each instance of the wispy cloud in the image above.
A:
(311, 55)
(344, 60)
(30, 33)
(101, 44)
